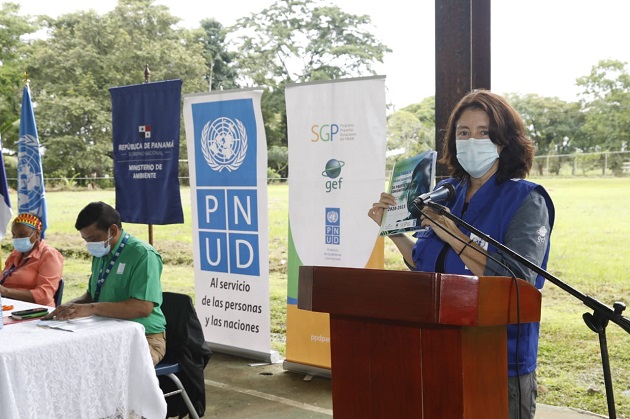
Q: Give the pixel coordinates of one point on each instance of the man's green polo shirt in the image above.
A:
(136, 274)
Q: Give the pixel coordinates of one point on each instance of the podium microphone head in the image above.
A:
(443, 193)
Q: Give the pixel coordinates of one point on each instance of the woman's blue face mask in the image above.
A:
(476, 155)
(23, 244)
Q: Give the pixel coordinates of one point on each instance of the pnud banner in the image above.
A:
(227, 154)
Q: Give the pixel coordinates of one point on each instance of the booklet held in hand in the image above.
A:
(411, 178)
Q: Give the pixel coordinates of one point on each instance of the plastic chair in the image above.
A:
(187, 354)
(58, 294)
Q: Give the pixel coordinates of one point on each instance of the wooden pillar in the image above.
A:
(462, 58)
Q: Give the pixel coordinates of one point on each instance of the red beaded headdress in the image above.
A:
(30, 220)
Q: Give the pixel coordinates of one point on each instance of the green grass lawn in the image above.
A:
(590, 243)
(589, 247)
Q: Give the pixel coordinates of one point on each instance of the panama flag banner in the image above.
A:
(31, 193)
(5, 203)
(337, 134)
(227, 155)
(146, 129)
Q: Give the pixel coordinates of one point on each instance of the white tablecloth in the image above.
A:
(101, 370)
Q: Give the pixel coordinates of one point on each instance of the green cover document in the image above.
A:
(411, 178)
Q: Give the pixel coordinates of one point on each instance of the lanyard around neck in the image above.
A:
(102, 275)
(12, 269)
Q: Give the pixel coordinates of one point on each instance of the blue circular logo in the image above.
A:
(333, 168)
(30, 178)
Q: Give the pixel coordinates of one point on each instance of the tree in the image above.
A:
(220, 74)
(12, 49)
(85, 54)
(424, 111)
(606, 100)
(553, 125)
(278, 158)
(296, 41)
(410, 131)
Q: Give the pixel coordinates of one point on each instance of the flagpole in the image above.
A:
(147, 78)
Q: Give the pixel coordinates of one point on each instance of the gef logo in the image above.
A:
(325, 132)
(332, 171)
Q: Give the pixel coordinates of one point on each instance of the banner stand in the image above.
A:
(336, 133)
(307, 369)
(272, 357)
(227, 153)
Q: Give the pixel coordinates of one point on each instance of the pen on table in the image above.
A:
(44, 326)
(59, 328)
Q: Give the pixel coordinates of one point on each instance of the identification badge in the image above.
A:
(121, 268)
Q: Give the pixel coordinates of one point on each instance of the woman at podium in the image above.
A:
(488, 156)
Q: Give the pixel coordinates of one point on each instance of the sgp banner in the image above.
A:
(146, 128)
(337, 170)
(227, 154)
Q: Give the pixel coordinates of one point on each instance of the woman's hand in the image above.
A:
(378, 208)
(474, 260)
(438, 223)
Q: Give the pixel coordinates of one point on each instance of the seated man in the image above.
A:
(125, 281)
(33, 270)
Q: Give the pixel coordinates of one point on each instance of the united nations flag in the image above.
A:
(31, 194)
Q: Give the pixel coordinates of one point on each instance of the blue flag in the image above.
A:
(146, 127)
(31, 194)
(5, 203)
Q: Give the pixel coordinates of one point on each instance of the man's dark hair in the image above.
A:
(98, 213)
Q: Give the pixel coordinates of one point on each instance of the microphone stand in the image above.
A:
(596, 321)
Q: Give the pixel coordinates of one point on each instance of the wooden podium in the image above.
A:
(417, 344)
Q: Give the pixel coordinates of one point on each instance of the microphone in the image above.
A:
(444, 193)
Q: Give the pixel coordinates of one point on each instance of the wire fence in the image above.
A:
(606, 163)
(104, 182)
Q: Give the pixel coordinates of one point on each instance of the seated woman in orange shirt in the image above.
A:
(33, 269)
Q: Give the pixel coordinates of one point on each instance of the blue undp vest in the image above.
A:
(490, 210)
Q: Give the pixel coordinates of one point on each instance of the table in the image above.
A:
(102, 369)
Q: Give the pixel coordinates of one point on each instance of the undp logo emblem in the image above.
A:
(30, 187)
(224, 144)
(332, 227)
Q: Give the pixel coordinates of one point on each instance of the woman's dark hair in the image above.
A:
(98, 213)
(506, 129)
